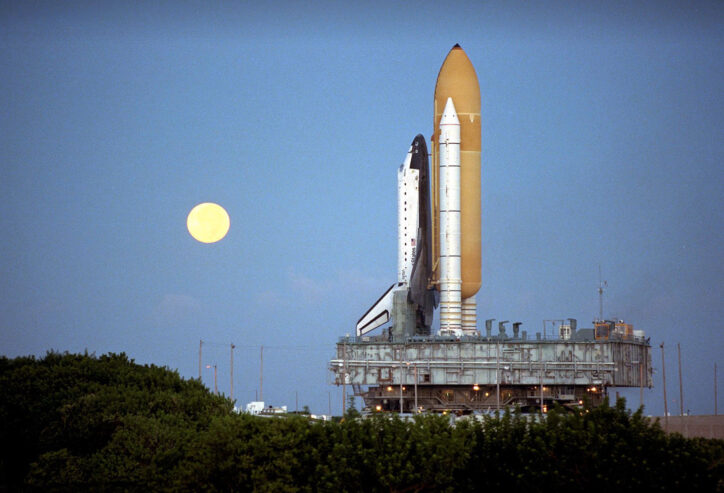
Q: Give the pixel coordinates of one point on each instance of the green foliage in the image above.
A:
(64, 415)
(80, 422)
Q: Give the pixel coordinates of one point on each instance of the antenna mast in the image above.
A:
(601, 286)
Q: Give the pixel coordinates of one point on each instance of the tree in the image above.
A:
(87, 423)
(69, 415)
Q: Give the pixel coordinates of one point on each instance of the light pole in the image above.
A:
(261, 373)
(681, 385)
(541, 390)
(401, 374)
(663, 376)
(641, 383)
(416, 406)
(231, 374)
(407, 363)
(344, 379)
(497, 374)
(641, 380)
(201, 343)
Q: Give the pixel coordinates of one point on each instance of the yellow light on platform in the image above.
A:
(208, 222)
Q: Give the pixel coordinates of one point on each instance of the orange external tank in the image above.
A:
(457, 80)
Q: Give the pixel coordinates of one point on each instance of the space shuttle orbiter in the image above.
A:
(410, 301)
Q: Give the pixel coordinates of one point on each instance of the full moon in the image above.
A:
(208, 222)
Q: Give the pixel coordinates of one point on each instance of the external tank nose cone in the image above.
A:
(457, 79)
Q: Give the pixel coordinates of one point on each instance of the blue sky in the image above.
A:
(603, 144)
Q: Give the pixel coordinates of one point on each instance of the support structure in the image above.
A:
(475, 374)
(470, 316)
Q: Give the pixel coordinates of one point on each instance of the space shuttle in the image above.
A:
(410, 301)
(438, 217)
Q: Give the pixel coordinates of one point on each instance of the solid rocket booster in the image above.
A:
(457, 80)
(450, 278)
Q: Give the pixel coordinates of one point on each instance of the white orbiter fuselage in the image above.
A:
(409, 299)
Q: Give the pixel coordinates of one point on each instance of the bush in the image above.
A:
(78, 422)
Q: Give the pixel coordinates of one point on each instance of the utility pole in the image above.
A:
(716, 410)
(681, 385)
(601, 286)
(201, 343)
(231, 374)
(261, 374)
(663, 375)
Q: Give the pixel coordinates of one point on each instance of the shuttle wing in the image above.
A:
(380, 313)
